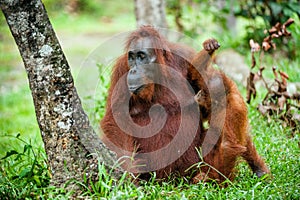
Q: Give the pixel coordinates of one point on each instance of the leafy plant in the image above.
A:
(189, 15)
(22, 171)
(267, 13)
(270, 11)
(277, 101)
(102, 92)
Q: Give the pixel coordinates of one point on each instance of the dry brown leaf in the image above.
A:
(281, 102)
(266, 46)
(277, 100)
(296, 96)
(274, 68)
(273, 45)
(254, 46)
(262, 109)
(284, 76)
(259, 73)
(289, 22)
(251, 90)
(274, 35)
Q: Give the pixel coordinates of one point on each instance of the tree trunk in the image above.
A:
(67, 135)
(150, 12)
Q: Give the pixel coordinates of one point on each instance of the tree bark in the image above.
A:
(68, 138)
(150, 12)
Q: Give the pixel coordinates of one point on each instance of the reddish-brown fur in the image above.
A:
(233, 142)
(219, 96)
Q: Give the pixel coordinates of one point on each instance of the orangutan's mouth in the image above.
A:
(136, 89)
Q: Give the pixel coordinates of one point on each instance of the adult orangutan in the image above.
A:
(153, 122)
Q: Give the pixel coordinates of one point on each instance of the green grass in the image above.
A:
(108, 17)
(272, 140)
(24, 174)
(86, 24)
(17, 116)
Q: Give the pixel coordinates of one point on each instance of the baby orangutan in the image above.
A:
(222, 105)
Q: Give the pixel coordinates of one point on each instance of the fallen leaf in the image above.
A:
(281, 102)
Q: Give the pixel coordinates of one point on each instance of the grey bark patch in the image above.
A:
(45, 51)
